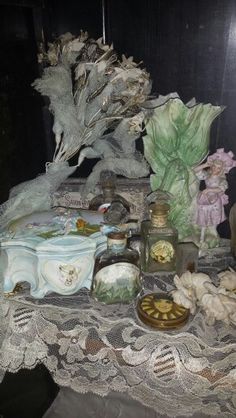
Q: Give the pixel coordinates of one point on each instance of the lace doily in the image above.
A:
(90, 347)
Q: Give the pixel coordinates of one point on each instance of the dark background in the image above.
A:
(188, 46)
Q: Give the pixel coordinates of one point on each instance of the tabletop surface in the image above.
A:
(90, 347)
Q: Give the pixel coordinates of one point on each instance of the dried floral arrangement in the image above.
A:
(96, 102)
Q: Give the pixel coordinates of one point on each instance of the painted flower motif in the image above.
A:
(162, 251)
(70, 347)
(80, 223)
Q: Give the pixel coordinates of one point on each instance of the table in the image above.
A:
(106, 350)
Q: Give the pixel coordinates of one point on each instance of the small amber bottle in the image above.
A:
(116, 276)
(158, 240)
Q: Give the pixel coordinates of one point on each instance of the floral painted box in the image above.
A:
(62, 263)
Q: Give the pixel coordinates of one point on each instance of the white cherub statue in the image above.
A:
(197, 289)
(190, 289)
(218, 306)
(228, 279)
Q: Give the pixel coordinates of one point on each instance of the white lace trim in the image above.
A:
(90, 347)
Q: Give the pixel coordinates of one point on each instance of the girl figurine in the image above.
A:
(211, 200)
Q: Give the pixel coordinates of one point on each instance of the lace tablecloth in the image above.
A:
(94, 348)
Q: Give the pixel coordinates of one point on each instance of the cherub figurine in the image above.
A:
(211, 200)
(197, 289)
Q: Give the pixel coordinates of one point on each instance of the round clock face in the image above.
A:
(160, 311)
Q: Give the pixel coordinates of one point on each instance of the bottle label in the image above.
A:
(116, 244)
(162, 251)
(117, 282)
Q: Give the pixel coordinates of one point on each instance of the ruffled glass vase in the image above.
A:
(177, 140)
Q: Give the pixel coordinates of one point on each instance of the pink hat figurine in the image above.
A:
(225, 157)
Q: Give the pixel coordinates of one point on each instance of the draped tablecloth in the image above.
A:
(89, 347)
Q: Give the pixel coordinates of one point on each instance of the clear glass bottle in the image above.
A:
(158, 240)
(108, 185)
(116, 276)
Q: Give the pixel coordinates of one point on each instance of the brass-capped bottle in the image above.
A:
(158, 240)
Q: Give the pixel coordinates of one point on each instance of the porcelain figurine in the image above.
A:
(228, 279)
(184, 297)
(190, 289)
(177, 140)
(211, 201)
(219, 307)
(197, 289)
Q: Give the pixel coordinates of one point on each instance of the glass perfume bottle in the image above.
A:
(103, 201)
(158, 240)
(116, 276)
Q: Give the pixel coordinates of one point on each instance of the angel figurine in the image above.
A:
(211, 200)
(197, 289)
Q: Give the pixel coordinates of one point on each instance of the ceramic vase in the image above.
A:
(177, 140)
